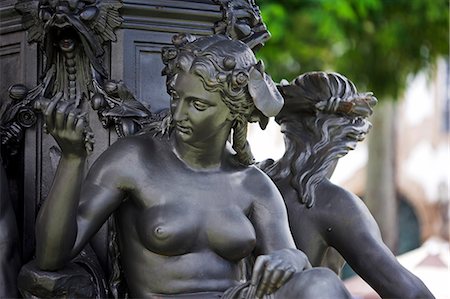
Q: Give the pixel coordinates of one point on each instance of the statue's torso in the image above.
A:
(177, 220)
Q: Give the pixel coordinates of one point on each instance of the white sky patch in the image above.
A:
(350, 163)
(430, 168)
(418, 102)
(266, 143)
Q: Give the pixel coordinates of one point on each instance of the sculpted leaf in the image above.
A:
(108, 19)
(31, 20)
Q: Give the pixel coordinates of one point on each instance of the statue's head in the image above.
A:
(329, 98)
(228, 68)
(323, 118)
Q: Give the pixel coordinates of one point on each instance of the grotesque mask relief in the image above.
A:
(72, 36)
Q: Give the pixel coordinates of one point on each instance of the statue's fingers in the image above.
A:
(275, 280)
(265, 286)
(80, 124)
(71, 119)
(259, 266)
(49, 112)
(70, 122)
(60, 116)
(287, 274)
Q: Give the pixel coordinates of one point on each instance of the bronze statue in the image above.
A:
(193, 215)
(323, 118)
(189, 208)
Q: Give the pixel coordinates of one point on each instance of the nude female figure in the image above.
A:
(189, 208)
(322, 119)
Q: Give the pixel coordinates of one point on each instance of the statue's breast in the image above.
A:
(168, 229)
(184, 227)
(230, 234)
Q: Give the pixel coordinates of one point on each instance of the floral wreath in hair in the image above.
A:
(263, 91)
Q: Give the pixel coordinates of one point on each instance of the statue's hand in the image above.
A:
(68, 125)
(273, 270)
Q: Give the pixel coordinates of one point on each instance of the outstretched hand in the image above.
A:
(68, 125)
(273, 270)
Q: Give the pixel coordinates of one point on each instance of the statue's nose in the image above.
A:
(179, 110)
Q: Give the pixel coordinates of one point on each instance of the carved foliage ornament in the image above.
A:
(91, 22)
(242, 21)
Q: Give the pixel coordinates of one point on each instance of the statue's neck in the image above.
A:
(204, 155)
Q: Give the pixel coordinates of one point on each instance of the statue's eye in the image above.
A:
(45, 14)
(89, 13)
(199, 105)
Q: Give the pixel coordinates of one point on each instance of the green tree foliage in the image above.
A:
(375, 43)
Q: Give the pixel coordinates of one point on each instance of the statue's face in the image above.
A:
(199, 114)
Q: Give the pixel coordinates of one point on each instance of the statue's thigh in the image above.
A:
(313, 283)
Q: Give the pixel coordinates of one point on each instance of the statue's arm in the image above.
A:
(74, 210)
(277, 258)
(356, 236)
(270, 221)
(56, 225)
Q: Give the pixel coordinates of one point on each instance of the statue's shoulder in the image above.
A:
(336, 202)
(137, 147)
(259, 183)
(330, 192)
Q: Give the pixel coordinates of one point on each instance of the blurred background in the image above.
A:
(398, 49)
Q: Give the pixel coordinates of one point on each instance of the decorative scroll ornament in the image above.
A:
(17, 117)
(242, 21)
(71, 35)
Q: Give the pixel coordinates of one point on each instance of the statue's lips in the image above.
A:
(183, 129)
(67, 43)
